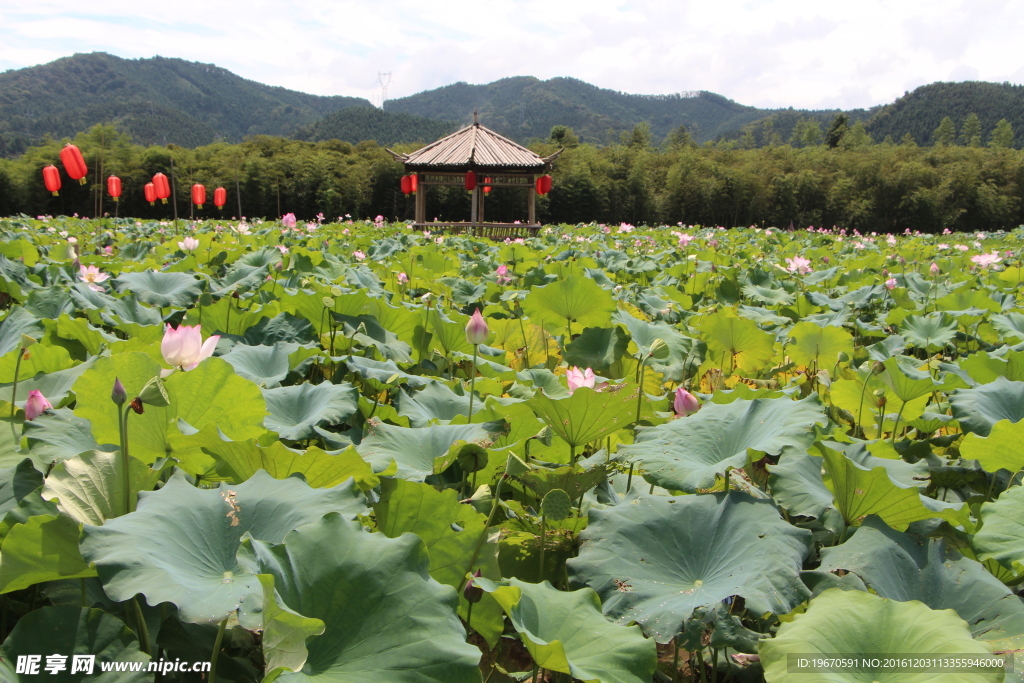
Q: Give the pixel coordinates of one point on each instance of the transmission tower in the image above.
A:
(384, 78)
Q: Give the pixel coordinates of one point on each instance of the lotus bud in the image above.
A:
(136, 405)
(402, 278)
(933, 269)
(118, 395)
(903, 261)
(36, 405)
(154, 393)
(877, 368)
(476, 329)
(684, 403)
(824, 259)
(279, 266)
(472, 592)
(885, 272)
(844, 357)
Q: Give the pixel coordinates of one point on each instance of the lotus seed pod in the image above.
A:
(27, 341)
(556, 505)
(659, 349)
(154, 394)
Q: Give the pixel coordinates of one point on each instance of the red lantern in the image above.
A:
(470, 181)
(543, 184)
(414, 182)
(150, 191)
(198, 195)
(220, 197)
(74, 164)
(406, 184)
(162, 187)
(51, 178)
(487, 185)
(114, 187)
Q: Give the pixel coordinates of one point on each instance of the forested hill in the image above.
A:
(524, 107)
(920, 112)
(356, 124)
(156, 101)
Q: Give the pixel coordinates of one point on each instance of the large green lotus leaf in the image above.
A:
(73, 631)
(1001, 537)
(435, 402)
(654, 560)
(161, 289)
(384, 618)
(415, 450)
(44, 548)
(931, 332)
(906, 381)
(1002, 448)
(41, 360)
(451, 532)
(797, 485)
(180, 545)
(979, 408)
(688, 453)
(577, 301)
(449, 331)
(736, 344)
(566, 632)
(644, 333)
(16, 482)
(818, 346)
(294, 411)
(209, 394)
(984, 368)
(264, 365)
(597, 348)
(90, 487)
(588, 415)
(384, 372)
(58, 435)
(851, 395)
(284, 632)
(54, 386)
(860, 492)
(1009, 325)
(903, 567)
(18, 322)
(210, 454)
(854, 624)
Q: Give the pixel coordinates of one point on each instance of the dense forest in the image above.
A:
(837, 177)
(355, 124)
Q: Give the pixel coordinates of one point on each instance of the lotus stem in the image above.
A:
(483, 534)
(144, 643)
(472, 381)
(121, 430)
(216, 650)
(14, 388)
(895, 427)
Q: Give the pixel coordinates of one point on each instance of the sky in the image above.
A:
(769, 53)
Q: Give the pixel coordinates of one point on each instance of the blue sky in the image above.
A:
(768, 53)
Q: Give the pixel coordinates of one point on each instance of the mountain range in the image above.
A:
(162, 100)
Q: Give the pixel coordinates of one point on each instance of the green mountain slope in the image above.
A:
(920, 112)
(355, 124)
(156, 100)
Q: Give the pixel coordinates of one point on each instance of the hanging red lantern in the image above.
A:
(470, 181)
(51, 178)
(114, 187)
(487, 185)
(220, 197)
(150, 191)
(74, 164)
(543, 184)
(406, 184)
(198, 195)
(414, 182)
(162, 187)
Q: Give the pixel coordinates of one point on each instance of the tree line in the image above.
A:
(838, 177)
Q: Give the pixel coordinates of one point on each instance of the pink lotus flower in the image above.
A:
(986, 260)
(358, 255)
(502, 275)
(476, 329)
(583, 378)
(184, 347)
(188, 244)
(685, 239)
(108, 251)
(36, 405)
(92, 276)
(685, 403)
(402, 278)
(282, 248)
(890, 284)
(798, 264)
(933, 269)
(288, 220)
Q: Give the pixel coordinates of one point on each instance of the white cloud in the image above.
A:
(779, 53)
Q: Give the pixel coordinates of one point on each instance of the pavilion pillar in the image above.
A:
(475, 205)
(531, 203)
(421, 202)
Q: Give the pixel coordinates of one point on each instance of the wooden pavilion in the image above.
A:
(476, 156)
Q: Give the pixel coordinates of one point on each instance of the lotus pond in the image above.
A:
(355, 452)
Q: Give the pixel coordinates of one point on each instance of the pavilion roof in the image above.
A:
(474, 146)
